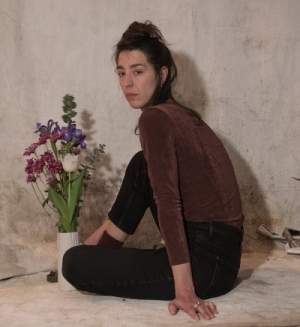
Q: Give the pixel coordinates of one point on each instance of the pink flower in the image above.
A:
(30, 166)
(57, 136)
(35, 167)
(50, 181)
(39, 166)
(54, 166)
(31, 149)
(43, 139)
(47, 156)
(31, 178)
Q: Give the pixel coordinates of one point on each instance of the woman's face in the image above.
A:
(137, 78)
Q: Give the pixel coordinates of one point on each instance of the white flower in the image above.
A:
(69, 162)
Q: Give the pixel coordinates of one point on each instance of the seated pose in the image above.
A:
(184, 175)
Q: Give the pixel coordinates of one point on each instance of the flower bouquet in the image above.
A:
(57, 168)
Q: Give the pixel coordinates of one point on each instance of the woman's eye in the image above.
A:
(120, 74)
(137, 72)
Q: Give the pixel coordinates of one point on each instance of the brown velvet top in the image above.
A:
(190, 172)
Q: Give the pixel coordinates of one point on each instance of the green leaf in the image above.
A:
(68, 97)
(61, 205)
(69, 145)
(76, 191)
(54, 149)
(68, 210)
(65, 118)
(67, 109)
(72, 114)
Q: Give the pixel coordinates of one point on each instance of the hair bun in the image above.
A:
(139, 31)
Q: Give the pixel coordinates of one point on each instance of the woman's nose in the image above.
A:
(128, 80)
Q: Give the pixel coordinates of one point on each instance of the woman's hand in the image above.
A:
(95, 237)
(186, 299)
(192, 305)
(92, 240)
(111, 229)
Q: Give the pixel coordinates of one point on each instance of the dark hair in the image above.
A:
(147, 38)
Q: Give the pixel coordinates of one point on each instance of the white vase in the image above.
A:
(64, 242)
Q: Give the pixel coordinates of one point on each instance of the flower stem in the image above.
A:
(54, 148)
(48, 214)
(69, 189)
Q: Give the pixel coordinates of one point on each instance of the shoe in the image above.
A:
(267, 232)
(290, 239)
(52, 277)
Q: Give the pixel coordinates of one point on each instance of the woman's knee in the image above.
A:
(137, 162)
(70, 263)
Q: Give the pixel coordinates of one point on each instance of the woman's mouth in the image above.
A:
(130, 95)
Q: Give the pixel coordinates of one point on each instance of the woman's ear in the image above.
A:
(163, 74)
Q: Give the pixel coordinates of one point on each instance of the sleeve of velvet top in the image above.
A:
(158, 142)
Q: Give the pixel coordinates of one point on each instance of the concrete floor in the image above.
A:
(267, 294)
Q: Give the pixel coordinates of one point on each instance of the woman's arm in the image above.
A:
(186, 299)
(111, 229)
(95, 237)
(159, 137)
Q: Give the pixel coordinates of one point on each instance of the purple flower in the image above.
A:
(72, 134)
(80, 138)
(43, 129)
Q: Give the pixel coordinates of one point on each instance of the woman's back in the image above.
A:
(184, 154)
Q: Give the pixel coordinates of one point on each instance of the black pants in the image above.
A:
(215, 250)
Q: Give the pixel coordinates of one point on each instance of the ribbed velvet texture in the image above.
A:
(190, 172)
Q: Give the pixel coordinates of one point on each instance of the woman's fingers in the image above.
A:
(211, 306)
(172, 308)
(192, 312)
(206, 309)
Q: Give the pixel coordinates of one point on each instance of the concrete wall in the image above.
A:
(239, 65)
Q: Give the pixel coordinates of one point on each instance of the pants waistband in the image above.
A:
(211, 227)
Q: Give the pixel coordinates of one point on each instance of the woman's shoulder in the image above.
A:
(155, 116)
(172, 112)
(163, 115)
(168, 106)
(167, 109)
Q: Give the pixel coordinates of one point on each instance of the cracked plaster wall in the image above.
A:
(238, 65)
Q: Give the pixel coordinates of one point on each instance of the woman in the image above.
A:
(186, 178)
